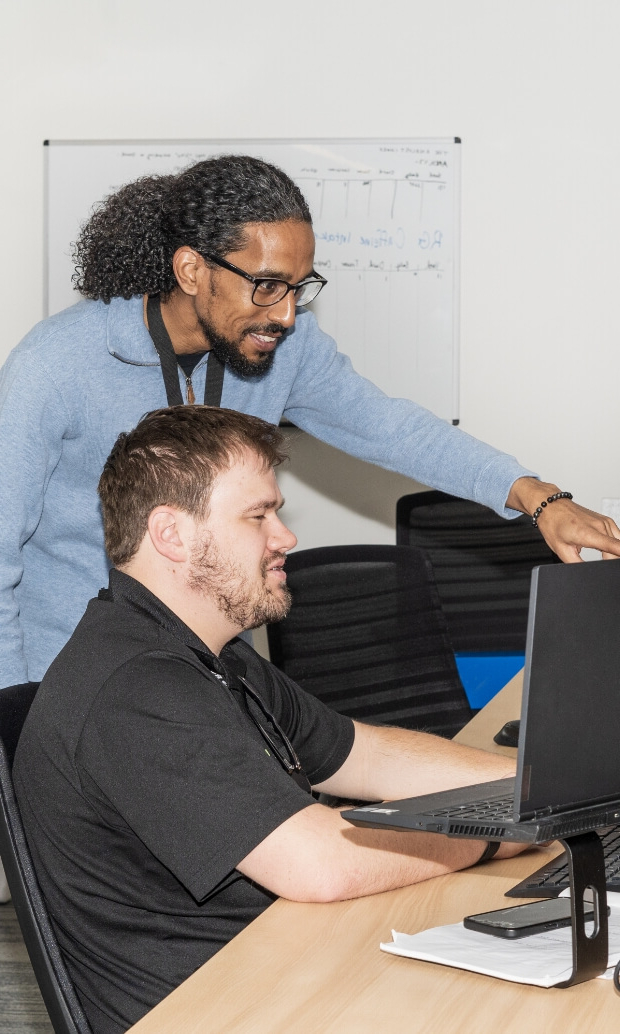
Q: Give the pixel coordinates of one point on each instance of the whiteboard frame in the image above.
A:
(254, 143)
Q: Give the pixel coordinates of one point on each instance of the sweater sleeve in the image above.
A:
(334, 403)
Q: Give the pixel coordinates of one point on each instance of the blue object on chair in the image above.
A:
(484, 674)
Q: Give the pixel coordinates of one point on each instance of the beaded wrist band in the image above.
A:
(489, 852)
(545, 502)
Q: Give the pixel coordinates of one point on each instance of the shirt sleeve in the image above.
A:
(185, 768)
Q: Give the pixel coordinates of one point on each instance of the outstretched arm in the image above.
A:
(387, 763)
(317, 856)
(566, 527)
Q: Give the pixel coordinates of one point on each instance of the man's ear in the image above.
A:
(168, 531)
(188, 267)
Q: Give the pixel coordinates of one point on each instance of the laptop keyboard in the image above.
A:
(500, 807)
(552, 878)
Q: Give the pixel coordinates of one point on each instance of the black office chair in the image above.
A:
(482, 565)
(54, 982)
(366, 635)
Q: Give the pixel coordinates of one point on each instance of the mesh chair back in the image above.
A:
(54, 982)
(366, 635)
(482, 565)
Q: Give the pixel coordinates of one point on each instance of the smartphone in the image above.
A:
(523, 920)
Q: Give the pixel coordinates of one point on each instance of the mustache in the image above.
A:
(266, 328)
(270, 559)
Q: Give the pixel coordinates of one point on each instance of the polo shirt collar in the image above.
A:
(129, 592)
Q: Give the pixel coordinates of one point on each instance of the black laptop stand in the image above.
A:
(586, 867)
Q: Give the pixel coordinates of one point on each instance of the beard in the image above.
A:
(229, 352)
(245, 601)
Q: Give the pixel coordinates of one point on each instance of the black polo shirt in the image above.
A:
(143, 782)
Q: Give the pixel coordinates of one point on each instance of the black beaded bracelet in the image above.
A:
(549, 499)
(489, 852)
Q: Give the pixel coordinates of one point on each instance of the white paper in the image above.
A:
(543, 959)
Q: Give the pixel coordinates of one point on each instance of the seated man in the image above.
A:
(164, 771)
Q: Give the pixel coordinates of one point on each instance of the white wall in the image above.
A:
(531, 87)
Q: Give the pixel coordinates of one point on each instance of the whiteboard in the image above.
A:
(386, 220)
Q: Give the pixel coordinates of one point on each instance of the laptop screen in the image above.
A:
(571, 701)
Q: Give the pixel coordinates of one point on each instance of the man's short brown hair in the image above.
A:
(171, 458)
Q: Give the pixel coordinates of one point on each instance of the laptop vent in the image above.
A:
(490, 832)
(583, 824)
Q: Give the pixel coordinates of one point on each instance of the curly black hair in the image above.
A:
(126, 247)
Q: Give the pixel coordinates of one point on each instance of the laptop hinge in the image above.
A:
(605, 808)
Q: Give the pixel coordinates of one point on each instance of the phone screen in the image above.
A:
(522, 920)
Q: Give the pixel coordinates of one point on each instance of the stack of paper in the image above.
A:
(544, 959)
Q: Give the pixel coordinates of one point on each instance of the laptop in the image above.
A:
(568, 761)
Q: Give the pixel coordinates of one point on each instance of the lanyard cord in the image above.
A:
(214, 379)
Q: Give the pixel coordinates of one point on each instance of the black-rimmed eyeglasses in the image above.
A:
(269, 291)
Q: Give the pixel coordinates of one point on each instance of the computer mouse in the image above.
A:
(508, 735)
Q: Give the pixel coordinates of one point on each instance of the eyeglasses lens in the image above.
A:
(308, 292)
(269, 292)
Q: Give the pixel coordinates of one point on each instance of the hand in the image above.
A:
(566, 527)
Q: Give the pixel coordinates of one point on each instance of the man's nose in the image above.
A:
(283, 312)
(282, 538)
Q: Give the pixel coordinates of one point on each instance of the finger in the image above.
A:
(610, 527)
(588, 531)
(568, 554)
(608, 546)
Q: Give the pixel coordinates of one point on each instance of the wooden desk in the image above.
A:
(318, 969)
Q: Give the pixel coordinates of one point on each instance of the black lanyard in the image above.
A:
(214, 378)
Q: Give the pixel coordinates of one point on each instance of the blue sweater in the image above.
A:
(81, 377)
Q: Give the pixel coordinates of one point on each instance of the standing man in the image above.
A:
(164, 771)
(191, 284)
